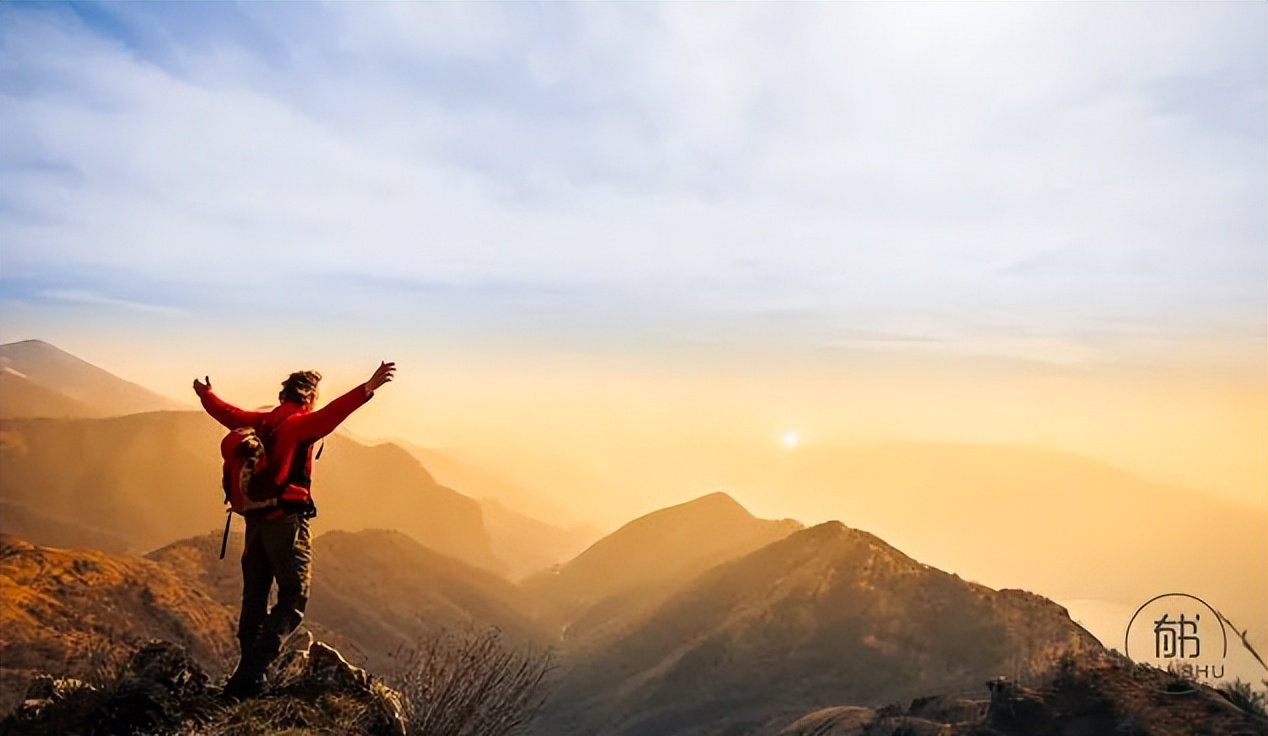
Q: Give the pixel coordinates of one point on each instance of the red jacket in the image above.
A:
(294, 430)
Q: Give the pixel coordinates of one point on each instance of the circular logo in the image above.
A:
(1178, 632)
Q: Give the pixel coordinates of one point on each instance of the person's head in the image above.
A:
(300, 388)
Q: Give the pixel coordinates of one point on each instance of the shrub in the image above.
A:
(470, 683)
(1241, 694)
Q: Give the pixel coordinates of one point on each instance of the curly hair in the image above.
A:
(300, 387)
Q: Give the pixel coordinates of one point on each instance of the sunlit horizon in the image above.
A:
(905, 266)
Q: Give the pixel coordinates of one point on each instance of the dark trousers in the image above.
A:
(275, 550)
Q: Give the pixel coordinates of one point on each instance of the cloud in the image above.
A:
(98, 300)
(903, 166)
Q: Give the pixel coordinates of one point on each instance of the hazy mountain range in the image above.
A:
(38, 380)
(826, 614)
(140, 480)
(592, 597)
(513, 514)
(699, 618)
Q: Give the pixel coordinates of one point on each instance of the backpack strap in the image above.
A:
(224, 542)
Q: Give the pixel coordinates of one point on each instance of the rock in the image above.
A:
(290, 666)
(45, 690)
(168, 665)
(908, 726)
(162, 691)
(391, 708)
(288, 670)
(948, 709)
(1013, 706)
(137, 705)
(327, 669)
(839, 721)
(299, 640)
(46, 687)
(323, 668)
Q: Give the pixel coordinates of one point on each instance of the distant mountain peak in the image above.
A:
(623, 575)
(830, 527)
(836, 529)
(37, 349)
(833, 545)
(42, 380)
(719, 505)
(717, 498)
(29, 343)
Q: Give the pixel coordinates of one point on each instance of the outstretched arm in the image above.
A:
(384, 373)
(227, 414)
(324, 421)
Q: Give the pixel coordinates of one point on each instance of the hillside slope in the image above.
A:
(154, 478)
(72, 611)
(1065, 525)
(372, 592)
(827, 615)
(634, 567)
(40, 380)
(24, 398)
(528, 545)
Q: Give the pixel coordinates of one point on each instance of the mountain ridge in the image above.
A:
(828, 611)
(36, 372)
(631, 569)
(153, 478)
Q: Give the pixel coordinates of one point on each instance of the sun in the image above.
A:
(790, 439)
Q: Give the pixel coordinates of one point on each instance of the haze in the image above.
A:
(618, 251)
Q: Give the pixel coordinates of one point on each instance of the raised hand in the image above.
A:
(203, 386)
(384, 373)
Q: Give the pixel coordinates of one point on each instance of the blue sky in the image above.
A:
(1058, 183)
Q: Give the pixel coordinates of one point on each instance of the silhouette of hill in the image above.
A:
(563, 530)
(74, 611)
(154, 478)
(23, 398)
(482, 484)
(826, 615)
(513, 514)
(632, 568)
(39, 380)
(1066, 525)
(529, 545)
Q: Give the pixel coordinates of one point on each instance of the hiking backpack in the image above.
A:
(247, 483)
(247, 479)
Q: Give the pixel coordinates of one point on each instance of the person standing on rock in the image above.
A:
(277, 538)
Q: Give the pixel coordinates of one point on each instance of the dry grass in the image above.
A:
(470, 683)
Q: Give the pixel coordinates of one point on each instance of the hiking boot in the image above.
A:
(247, 681)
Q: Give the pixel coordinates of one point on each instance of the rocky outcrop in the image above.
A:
(320, 668)
(1098, 694)
(163, 691)
(846, 720)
